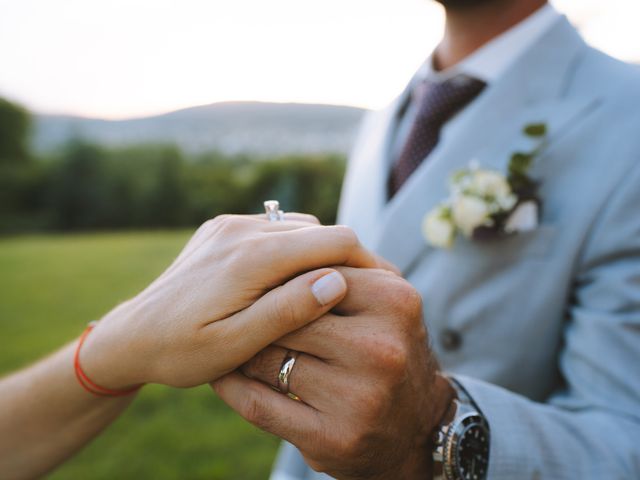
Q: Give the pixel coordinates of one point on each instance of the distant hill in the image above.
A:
(230, 127)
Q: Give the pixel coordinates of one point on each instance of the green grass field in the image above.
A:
(50, 287)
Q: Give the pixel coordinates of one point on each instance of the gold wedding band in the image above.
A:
(285, 371)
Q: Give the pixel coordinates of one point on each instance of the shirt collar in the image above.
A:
(491, 60)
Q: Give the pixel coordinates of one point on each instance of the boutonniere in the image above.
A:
(486, 203)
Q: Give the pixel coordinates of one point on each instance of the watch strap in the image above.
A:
(462, 406)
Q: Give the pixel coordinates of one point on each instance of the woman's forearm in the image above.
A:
(236, 288)
(46, 416)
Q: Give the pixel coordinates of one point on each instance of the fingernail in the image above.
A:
(329, 288)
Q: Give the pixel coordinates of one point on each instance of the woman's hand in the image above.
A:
(234, 289)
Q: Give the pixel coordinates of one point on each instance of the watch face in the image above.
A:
(472, 456)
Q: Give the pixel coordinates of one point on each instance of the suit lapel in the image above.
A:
(364, 194)
(488, 131)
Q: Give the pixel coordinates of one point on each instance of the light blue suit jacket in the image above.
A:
(549, 319)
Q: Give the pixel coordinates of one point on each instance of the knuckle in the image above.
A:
(313, 219)
(404, 298)
(412, 299)
(208, 226)
(260, 366)
(352, 445)
(308, 218)
(420, 334)
(347, 237)
(375, 404)
(228, 223)
(216, 221)
(392, 355)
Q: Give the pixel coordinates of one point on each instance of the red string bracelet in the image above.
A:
(86, 382)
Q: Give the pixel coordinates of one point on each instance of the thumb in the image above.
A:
(286, 309)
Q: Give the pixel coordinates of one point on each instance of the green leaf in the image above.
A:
(536, 130)
(519, 182)
(520, 163)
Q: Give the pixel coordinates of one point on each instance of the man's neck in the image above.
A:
(467, 29)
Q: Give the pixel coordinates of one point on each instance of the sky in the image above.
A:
(131, 58)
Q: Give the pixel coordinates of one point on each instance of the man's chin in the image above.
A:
(465, 4)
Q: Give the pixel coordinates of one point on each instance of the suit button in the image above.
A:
(450, 340)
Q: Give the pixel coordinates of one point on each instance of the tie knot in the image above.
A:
(442, 100)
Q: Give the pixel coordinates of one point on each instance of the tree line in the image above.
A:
(90, 187)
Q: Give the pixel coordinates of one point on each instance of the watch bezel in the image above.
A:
(455, 434)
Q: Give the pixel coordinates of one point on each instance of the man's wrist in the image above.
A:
(440, 399)
(444, 395)
(418, 463)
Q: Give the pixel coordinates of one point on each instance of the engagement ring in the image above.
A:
(274, 214)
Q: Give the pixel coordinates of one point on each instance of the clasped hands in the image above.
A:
(244, 292)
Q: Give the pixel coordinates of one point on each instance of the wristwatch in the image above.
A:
(461, 442)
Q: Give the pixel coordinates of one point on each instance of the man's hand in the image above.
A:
(370, 396)
(240, 284)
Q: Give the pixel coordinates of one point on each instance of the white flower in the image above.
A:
(438, 228)
(469, 213)
(488, 183)
(523, 219)
(507, 202)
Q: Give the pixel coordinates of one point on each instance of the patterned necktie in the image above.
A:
(437, 103)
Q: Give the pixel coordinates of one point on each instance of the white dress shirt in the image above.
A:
(487, 63)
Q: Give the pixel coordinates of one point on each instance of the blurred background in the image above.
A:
(125, 124)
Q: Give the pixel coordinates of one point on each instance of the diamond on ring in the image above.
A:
(272, 208)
